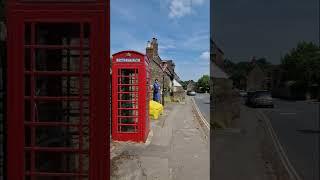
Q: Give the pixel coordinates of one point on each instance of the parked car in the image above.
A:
(243, 93)
(250, 95)
(191, 93)
(201, 90)
(262, 99)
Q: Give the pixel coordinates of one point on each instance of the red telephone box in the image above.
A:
(130, 96)
(58, 90)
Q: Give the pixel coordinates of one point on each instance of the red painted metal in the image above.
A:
(82, 148)
(130, 97)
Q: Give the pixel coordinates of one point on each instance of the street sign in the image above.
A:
(164, 66)
(127, 60)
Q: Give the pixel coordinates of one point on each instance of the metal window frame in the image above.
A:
(99, 96)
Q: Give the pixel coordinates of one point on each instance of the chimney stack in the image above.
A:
(253, 60)
(154, 45)
(149, 50)
(152, 48)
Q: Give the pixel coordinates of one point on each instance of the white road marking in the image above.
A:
(205, 122)
(288, 113)
(283, 156)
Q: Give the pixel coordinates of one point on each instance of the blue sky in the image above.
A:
(263, 28)
(181, 27)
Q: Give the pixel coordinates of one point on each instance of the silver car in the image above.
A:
(243, 93)
(191, 93)
(262, 99)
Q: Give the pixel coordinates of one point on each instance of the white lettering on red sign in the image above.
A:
(127, 60)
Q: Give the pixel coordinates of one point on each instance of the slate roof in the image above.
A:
(218, 72)
(176, 83)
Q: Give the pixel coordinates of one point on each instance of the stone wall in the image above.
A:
(225, 103)
(178, 94)
(224, 100)
(157, 73)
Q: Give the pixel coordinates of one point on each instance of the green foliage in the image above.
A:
(203, 83)
(228, 66)
(238, 71)
(262, 62)
(184, 84)
(302, 64)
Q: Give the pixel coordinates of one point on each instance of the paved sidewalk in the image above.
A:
(237, 152)
(177, 150)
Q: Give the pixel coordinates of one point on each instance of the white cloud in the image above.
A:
(205, 55)
(180, 8)
(198, 41)
(166, 43)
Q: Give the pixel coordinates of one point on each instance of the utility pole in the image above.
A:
(163, 88)
(163, 67)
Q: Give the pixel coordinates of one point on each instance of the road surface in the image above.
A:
(295, 123)
(203, 102)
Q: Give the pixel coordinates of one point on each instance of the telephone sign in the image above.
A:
(127, 60)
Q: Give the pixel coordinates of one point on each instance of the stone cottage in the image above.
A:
(255, 79)
(191, 86)
(224, 100)
(157, 73)
(258, 78)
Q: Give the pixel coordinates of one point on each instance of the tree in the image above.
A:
(228, 65)
(302, 64)
(203, 83)
(238, 71)
(184, 84)
(262, 61)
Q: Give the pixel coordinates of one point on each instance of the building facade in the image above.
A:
(224, 100)
(261, 78)
(191, 86)
(165, 77)
(217, 55)
(256, 79)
